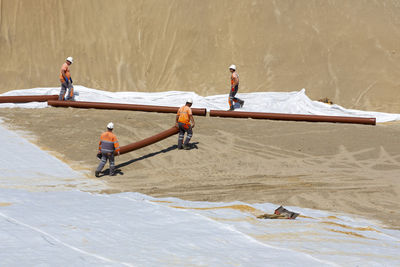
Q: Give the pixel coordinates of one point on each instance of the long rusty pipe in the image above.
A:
(148, 141)
(291, 117)
(27, 98)
(117, 106)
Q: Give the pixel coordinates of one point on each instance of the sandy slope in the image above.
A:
(344, 50)
(338, 167)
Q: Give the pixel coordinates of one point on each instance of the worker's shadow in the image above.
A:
(117, 167)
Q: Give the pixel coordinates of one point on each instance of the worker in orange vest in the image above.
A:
(185, 123)
(234, 88)
(66, 81)
(107, 145)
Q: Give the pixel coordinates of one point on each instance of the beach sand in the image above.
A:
(345, 168)
(347, 51)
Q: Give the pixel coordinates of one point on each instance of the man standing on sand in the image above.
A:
(234, 88)
(185, 122)
(108, 144)
(66, 81)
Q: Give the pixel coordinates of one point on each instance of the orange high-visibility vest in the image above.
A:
(184, 114)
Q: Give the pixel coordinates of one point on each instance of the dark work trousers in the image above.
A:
(104, 157)
(64, 87)
(232, 97)
(182, 129)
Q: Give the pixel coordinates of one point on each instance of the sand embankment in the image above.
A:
(337, 167)
(347, 51)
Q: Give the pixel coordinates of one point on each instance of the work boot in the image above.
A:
(241, 102)
(180, 142)
(231, 108)
(186, 147)
(97, 174)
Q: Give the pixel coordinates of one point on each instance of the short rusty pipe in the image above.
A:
(291, 117)
(27, 98)
(117, 106)
(149, 141)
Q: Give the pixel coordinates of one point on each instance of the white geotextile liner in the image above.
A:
(77, 228)
(271, 102)
(69, 227)
(25, 165)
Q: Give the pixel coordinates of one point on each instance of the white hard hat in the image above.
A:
(110, 126)
(189, 101)
(70, 59)
(233, 67)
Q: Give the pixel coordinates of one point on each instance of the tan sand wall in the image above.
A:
(348, 51)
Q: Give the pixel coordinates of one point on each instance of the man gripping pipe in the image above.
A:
(185, 122)
(234, 88)
(107, 145)
(66, 81)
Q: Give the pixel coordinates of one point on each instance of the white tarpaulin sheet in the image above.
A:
(271, 102)
(61, 226)
(81, 229)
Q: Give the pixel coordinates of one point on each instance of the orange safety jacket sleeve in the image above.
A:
(116, 145)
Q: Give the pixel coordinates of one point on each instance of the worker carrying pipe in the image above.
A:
(66, 81)
(234, 88)
(107, 145)
(185, 122)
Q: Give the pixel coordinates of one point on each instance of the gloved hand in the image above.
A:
(70, 79)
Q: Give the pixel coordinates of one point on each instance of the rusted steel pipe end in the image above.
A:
(117, 106)
(199, 111)
(27, 98)
(291, 117)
